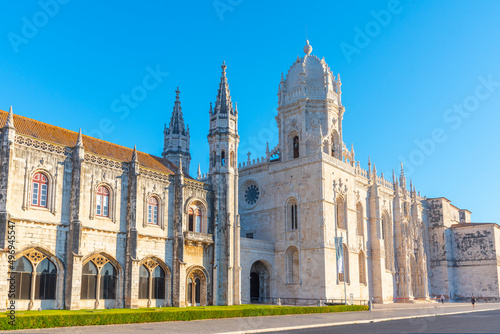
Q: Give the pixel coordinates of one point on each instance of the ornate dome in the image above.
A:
(308, 77)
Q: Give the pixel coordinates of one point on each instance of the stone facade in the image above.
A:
(116, 227)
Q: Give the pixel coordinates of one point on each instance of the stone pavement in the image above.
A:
(412, 312)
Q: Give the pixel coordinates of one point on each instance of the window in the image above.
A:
(345, 262)
(195, 217)
(214, 158)
(99, 278)
(46, 278)
(154, 278)
(249, 235)
(102, 202)
(108, 282)
(293, 216)
(295, 147)
(223, 158)
(359, 214)
(158, 283)
(292, 255)
(341, 219)
(143, 282)
(28, 271)
(22, 277)
(362, 268)
(40, 190)
(153, 210)
(89, 281)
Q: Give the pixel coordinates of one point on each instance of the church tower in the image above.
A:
(310, 110)
(223, 140)
(176, 137)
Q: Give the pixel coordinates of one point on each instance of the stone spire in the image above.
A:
(199, 172)
(223, 103)
(176, 136)
(79, 140)
(10, 119)
(402, 178)
(176, 125)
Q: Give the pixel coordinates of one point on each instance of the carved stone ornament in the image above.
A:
(151, 264)
(100, 261)
(35, 257)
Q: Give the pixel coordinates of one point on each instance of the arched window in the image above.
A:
(89, 281)
(223, 158)
(233, 160)
(158, 283)
(143, 282)
(34, 268)
(99, 278)
(345, 265)
(359, 214)
(39, 190)
(293, 215)
(22, 277)
(333, 145)
(341, 218)
(46, 278)
(108, 282)
(197, 295)
(214, 158)
(362, 268)
(195, 220)
(153, 210)
(292, 257)
(102, 202)
(295, 147)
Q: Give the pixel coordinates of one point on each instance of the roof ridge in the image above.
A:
(84, 135)
(92, 141)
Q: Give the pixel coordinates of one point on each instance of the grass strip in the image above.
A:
(66, 318)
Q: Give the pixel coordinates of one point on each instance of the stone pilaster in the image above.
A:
(179, 266)
(7, 147)
(73, 257)
(131, 260)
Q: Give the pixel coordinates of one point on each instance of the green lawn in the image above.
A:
(63, 318)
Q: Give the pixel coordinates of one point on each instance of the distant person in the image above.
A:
(442, 299)
(473, 301)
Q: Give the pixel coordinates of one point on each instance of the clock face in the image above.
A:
(252, 194)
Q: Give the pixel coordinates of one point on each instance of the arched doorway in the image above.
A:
(254, 287)
(196, 286)
(260, 280)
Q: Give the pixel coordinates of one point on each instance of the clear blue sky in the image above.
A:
(400, 83)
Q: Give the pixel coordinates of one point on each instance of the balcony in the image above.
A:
(198, 238)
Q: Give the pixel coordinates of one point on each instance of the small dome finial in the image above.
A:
(308, 48)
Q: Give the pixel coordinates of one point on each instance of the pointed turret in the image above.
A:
(10, 119)
(199, 172)
(79, 140)
(176, 136)
(134, 154)
(402, 177)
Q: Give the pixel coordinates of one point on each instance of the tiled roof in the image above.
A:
(54, 134)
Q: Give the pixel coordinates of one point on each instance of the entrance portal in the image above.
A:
(260, 280)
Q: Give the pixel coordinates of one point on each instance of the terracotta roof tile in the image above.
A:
(54, 134)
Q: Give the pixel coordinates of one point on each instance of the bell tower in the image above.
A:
(176, 137)
(223, 141)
